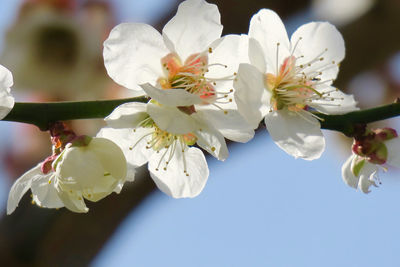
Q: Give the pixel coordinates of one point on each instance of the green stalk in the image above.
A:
(42, 114)
(346, 123)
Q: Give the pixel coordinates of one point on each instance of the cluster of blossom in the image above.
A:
(203, 88)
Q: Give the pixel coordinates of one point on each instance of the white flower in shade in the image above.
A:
(50, 51)
(6, 99)
(374, 150)
(164, 137)
(188, 66)
(90, 171)
(289, 79)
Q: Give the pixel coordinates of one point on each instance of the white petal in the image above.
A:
(171, 119)
(6, 104)
(298, 135)
(348, 177)
(256, 55)
(44, 193)
(130, 177)
(337, 102)
(231, 51)
(367, 177)
(211, 140)
(6, 79)
(110, 156)
(194, 27)
(174, 181)
(228, 122)
(319, 40)
(75, 204)
(267, 28)
(252, 99)
(20, 187)
(172, 97)
(94, 170)
(128, 115)
(132, 143)
(6, 99)
(393, 148)
(132, 54)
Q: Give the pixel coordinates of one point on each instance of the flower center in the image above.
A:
(295, 86)
(291, 88)
(162, 139)
(166, 143)
(191, 76)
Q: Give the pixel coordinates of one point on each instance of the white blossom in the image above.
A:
(289, 79)
(87, 172)
(188, 66)
(6, 99)
(164, 137)
(369, 156)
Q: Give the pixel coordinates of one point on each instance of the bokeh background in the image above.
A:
(260, 207)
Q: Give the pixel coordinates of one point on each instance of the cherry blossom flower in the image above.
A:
(371, 152)
(165, 137)
(188, 66)
(6, 99)
(188, 73)
(89, 168)
(289, 79)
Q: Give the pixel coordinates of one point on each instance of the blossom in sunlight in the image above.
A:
(6, 99)
(165, 137)
(289, 79)
(371, 152)
(89, 168)
(188, 66)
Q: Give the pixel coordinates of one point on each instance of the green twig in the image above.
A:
(42, 114)
(346, 123)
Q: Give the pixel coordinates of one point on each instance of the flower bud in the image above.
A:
(92, 171)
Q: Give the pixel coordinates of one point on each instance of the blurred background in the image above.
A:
(260, 208)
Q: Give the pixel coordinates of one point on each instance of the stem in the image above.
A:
(346, 123)
(42, 114)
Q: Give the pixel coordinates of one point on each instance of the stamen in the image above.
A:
(295, 46)
(307, 119)
(316, 59)
(225, 112)
(159, 162)
(277, 58)
(171, 154)
(183, 146)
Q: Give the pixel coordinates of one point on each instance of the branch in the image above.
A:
(346, 123)
(42, 114)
